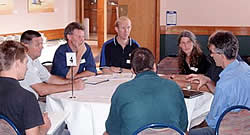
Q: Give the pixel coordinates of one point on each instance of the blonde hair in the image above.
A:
(121, 19)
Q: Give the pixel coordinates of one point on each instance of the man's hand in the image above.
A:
(46, 126)
(79, 84)
(81, 50)
(115, 69)
(202, 79)
(126, 70)
(105, 133)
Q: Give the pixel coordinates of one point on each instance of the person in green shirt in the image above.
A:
(145, 99)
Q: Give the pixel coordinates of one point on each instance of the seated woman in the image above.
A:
(191, 59)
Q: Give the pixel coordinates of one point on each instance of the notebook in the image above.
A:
(191, 93)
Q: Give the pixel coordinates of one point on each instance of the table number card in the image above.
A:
(71, 59)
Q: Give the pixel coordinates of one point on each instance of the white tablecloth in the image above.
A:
(89, 110)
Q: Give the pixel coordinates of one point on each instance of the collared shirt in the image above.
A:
(214, 71)
(113, 54)
(36, 73)
(146, 99)
(60, 67)
(233, 88)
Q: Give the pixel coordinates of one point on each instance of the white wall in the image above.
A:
(21, 20)
(208, 12)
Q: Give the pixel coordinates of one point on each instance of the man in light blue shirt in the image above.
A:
(233, 86)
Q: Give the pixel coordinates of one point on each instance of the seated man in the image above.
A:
(37, 79)
(233, 85)
(146, 99)
(74, 35)
(18, 104)
(212, 75)
(115, 54)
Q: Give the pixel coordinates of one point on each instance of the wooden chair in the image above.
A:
(234, 123)
(7, 127)
(158, 129)
(168, 65)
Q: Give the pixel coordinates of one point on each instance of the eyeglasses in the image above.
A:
(219, 51)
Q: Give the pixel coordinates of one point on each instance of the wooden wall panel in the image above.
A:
(144, 21)
(50, 34)
(204, 30)
(101, 22)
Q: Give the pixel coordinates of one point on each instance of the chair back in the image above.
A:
(48, 65)
(234, 121)
(7, 127)
(158, 129)
(168, 65)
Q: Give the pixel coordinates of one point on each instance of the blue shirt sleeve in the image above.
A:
(103, 61)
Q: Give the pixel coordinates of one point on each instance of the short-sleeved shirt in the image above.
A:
(143, 100)
(36, 73)
(60, 67)
(113, 54)
(19, 105)
(233, 88)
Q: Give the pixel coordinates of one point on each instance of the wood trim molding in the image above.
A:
(50, 34)
(101, 22)
(204, 30)
(157, 31)
(79, 10)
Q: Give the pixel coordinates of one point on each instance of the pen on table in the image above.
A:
(94, 83)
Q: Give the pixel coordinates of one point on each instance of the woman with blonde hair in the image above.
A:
(190, 56)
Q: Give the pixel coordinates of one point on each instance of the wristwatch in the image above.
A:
(120, 70)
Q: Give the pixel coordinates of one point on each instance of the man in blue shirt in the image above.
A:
(233, 85)
(74, 35)
(115, 54)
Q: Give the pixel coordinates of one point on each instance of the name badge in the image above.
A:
(82, 61)
(128, 61)
(194, 69)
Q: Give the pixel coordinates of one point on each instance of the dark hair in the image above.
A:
(11, 51)
(71, 27)
(28, 35)
(142, 60)
(195, 54)
(226, 43)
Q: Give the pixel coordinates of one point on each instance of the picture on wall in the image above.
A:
(6, 7)
(38, 6)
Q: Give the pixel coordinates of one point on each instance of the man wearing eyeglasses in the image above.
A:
(233, 85)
